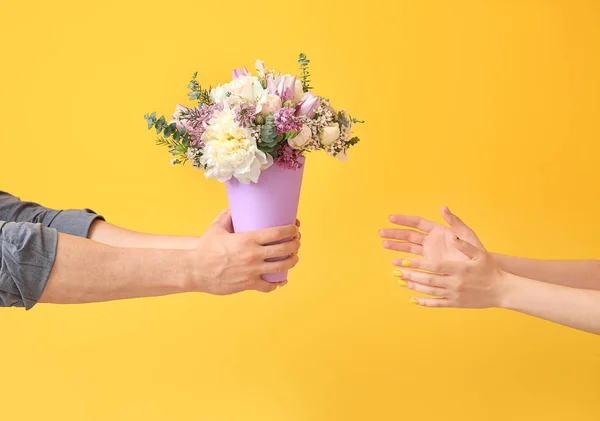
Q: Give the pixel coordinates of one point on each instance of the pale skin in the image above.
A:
(118, 264)
(457, 271)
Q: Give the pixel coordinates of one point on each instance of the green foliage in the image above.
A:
(197, 93)
(304, 73)
(353, 141)
(269, 142)
(345, 121)
(178, 141)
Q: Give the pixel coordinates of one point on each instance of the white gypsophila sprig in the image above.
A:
(193, 155)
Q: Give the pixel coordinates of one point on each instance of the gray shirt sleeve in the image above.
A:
(28, 240)
(73, 222)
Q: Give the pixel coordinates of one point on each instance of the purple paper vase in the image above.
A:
(271, 202)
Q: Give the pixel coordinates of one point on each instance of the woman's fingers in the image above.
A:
(424, 289)
(403, 235)
(431, 302)
(404, 247)
(413, 221)
(423, 278)
(437, 266)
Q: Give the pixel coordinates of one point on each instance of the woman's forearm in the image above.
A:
(86, 271)
(573, 273)
(106, 233)
(576, 308)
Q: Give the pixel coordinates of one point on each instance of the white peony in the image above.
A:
(329, 134)
(301, 139)
(230, 151)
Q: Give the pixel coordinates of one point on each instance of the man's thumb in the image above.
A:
(222, 222)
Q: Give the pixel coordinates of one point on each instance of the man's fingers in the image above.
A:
(413, 221)
(275, 234)
(280, 265)
(403, 235)
(261, 285)
(282, 249)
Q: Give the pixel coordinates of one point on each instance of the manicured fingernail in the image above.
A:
(397, 273)
(402, 282)
(407, 263)
(413, 300)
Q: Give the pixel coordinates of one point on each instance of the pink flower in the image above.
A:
(272, 105)
(308, 105)
(240, 72)
(289, 158)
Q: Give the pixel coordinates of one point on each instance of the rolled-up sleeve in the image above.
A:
(27, 255)
(73, 222)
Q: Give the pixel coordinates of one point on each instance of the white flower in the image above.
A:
(302, 138)
(260, 68)
(272, 104)
(329, 134)
(243, 89)
(231, 151)
(218, 94)
(298, 91)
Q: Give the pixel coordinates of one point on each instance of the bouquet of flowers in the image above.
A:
(252, 133)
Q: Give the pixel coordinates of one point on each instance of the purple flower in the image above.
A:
(240, 72)
(245, 114)
(197, 120)
(288, 158)
(286, 121)
(308, 105)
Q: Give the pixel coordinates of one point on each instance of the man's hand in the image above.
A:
(227, 262)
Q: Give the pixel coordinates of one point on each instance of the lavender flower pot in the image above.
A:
(271, 202)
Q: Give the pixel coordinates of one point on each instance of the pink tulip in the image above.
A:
(308, 105)
(286, 87)
(240, 72)
(271, 85)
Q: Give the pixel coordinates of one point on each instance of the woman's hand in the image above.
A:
(428, 239)
(227, 263)
(474, 283)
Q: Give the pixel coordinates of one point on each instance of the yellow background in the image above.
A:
(490, 107)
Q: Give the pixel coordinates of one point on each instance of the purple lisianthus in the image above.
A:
(308, 105)
(289, 158)
(286, 121)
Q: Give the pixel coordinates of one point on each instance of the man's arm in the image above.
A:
(106, 233)
(39, 264)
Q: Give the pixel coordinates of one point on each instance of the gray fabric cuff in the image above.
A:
(74, 222)
(28, 252)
